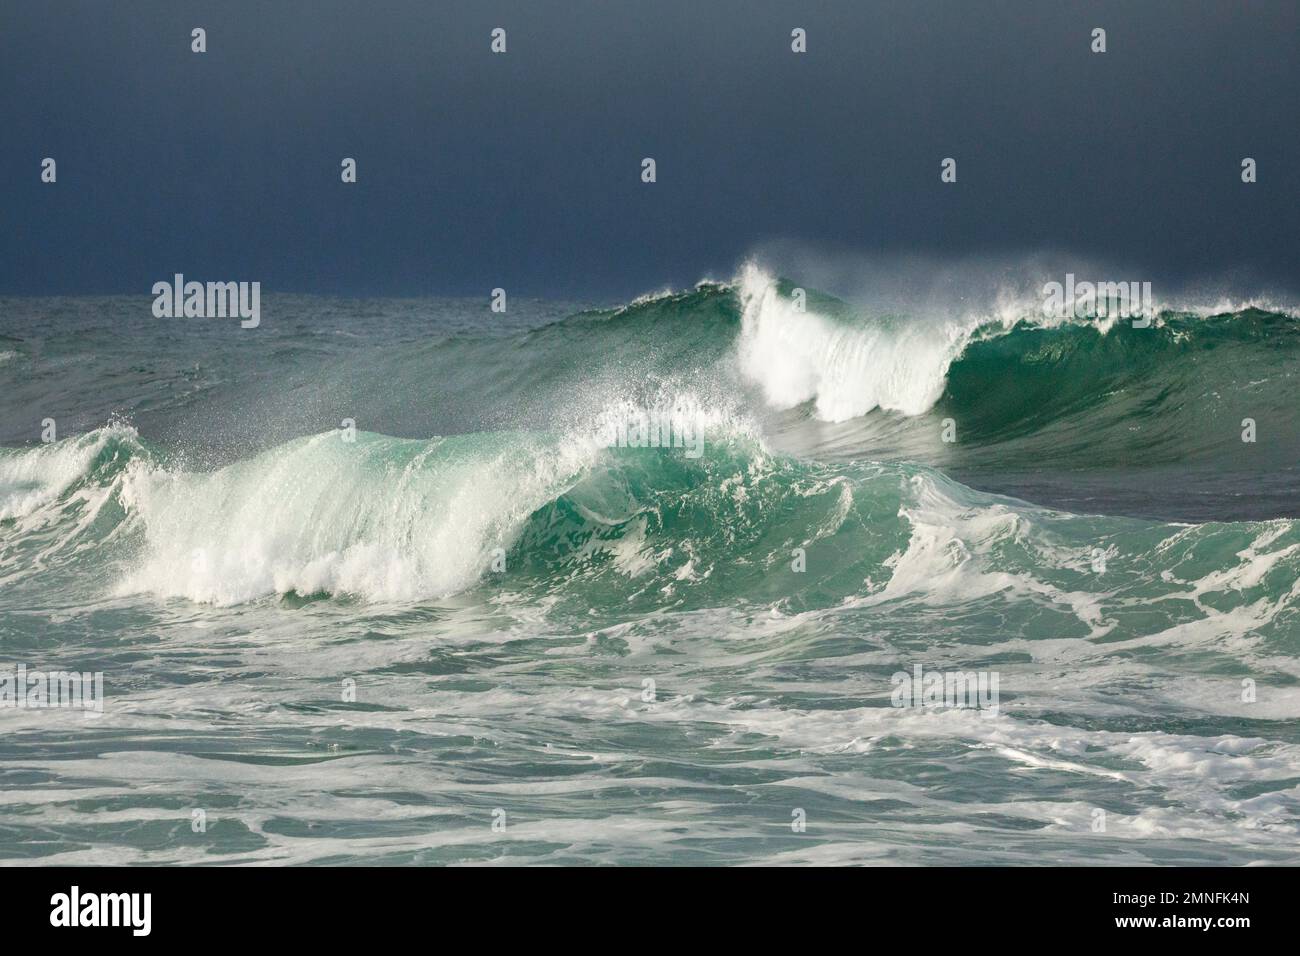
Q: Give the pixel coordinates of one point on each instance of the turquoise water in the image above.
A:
(369, 584)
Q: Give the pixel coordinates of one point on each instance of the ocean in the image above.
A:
(409, 581)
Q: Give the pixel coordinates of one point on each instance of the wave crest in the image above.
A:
(847, 371)
(380, 518)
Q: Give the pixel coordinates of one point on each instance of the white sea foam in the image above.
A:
(31, 478)
(379, 518)
(847, 371)
(847, 368)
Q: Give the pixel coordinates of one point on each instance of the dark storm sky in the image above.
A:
(523, 170)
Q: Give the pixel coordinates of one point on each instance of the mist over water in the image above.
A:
(640, 655)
